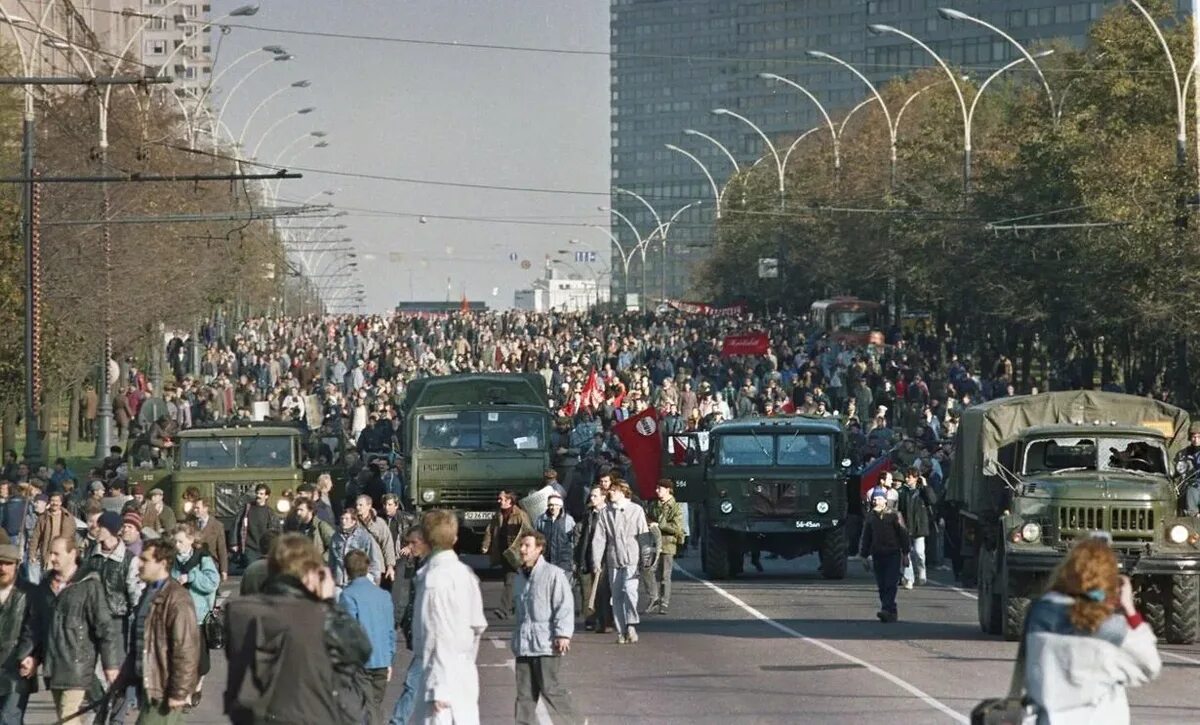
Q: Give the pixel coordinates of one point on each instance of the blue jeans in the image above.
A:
(12, 708)
(887, 579)
(33, 572)
(407, 704)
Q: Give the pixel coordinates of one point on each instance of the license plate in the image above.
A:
(477, 515)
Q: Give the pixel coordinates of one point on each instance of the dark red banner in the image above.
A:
(702, 308)
(642, 441)
(751, 343)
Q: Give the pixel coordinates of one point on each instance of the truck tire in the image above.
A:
(1153, 605)
(1015, 609)
(834, 554)
(1183, 609)
(989, 603)
(715, 552)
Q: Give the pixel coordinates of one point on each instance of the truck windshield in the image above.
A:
(1048, 455)
(482, 430)
(797, 449)
(234, 452)
(851, 320)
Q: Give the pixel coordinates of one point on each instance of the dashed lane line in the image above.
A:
(899, 682)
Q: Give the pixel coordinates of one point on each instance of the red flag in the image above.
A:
(642, 441)
(788, 406)
(751, 343)
(873, 474)
(465, 306)
(592, 395)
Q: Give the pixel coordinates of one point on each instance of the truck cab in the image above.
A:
(766, 484)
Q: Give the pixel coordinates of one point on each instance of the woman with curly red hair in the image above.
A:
(1086, 642)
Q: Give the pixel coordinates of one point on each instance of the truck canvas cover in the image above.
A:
(499, 389)
(986, 428)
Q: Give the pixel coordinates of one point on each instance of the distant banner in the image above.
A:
(701, 308)
(752, 343)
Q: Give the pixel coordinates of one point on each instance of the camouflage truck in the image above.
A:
(227, 463)
(1033, 474)
(468, 437)
(768, 484)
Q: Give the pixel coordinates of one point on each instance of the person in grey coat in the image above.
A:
(545, 622)
(349, 537)
(617, 543)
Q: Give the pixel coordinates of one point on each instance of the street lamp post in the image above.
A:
(241, 142)
(874, 92)
(298, 112)
(837, 154)
(767, 140)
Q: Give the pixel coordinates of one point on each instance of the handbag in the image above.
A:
(1014, 708)
(213, 628)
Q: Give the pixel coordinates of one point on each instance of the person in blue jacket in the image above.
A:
(372, 607)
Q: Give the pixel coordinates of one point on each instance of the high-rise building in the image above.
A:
(674, 61)
(152, 33)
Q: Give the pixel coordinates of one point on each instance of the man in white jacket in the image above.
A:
(448, 622)
(617, 542)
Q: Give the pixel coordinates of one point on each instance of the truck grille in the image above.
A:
(1122, 523)
(230, 497)
(470, 499)
(770, 498)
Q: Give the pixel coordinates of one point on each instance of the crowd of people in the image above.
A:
(105, 570)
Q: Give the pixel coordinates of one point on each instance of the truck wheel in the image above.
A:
(715, 556)
(989, 606)
(1153, 606)
(1183, 610)
(1015, 609)
(834, 554)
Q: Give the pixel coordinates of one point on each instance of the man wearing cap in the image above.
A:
(157, 515)
(886, 542)
(51, 524)
(115, 565)
(131, 532)
(557, 526)
(14, 599)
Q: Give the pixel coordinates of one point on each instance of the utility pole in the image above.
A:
(1195, 85)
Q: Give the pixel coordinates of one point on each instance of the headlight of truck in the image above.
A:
(1178, 534)
(283, 505)
(727, 507)
(428, 495)
(822, 507)
(1031, 532)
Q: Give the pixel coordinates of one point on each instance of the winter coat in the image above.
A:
(343, 543)
(560, 539)
(884, 534)
(619, 536)
(503, 532)
(170, 647)
(545, 609)
(1080, 679)
(69, 630)
(203, 580)
(669, 516)
(12, 619)
(916, 505)
(448, 623)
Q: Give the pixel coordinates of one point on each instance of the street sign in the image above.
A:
(588, 257)
(768, 268)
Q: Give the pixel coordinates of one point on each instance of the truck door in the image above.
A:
(684, 455)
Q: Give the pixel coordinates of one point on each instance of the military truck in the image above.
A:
(768, 484)
(1033, 474)
(227, 463)
(468, 437)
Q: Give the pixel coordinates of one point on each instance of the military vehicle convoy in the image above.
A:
(1033, 474)
(768, 484)
(468, 437)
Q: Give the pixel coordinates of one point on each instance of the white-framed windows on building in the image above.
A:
(190, 11)
(156, 47)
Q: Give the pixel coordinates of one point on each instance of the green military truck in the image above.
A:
(767, 484)
(469, 437)
(1033, 474)
(227, 463)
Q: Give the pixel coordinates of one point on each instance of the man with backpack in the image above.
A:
(308, 525)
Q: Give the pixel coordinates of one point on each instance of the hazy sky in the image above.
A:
(479, 116)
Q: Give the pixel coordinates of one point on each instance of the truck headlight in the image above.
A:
(428, 495)
(1031, 532)
(1178, 534)
(727, 507)
(283, 505)
(822, 507)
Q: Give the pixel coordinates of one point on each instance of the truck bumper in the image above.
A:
(780, 527)
(1156, 565)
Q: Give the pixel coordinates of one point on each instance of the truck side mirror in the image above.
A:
(990, 467)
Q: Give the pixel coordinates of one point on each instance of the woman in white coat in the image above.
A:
(1085, 642)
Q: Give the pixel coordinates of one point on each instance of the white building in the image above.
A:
(561, 292)
(152, 32)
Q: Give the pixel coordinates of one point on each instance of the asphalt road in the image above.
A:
(782, 646)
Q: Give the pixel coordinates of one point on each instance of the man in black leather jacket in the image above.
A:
(277, 671)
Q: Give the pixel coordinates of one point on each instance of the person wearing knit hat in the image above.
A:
(886, 542)
(131, 532)
(111, 522)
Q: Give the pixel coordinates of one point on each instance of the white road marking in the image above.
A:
(914, 691)
(951, 587)
(543, 715)
(498, 643)
(1181, 658)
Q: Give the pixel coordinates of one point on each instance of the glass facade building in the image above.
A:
(674, 61)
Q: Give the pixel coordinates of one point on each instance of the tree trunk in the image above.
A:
(73, 416)
(8, 427)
